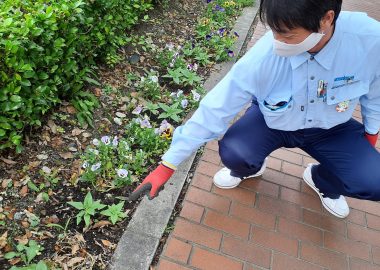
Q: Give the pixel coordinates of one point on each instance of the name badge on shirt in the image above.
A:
(322, 90)
(343, 81)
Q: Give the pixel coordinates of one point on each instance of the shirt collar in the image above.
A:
(326, 56)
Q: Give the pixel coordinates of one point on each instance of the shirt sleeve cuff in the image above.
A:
(371, 131)
(169, 165)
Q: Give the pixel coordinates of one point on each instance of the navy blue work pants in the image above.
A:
(349, 165)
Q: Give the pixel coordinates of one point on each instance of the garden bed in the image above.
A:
(58, 165)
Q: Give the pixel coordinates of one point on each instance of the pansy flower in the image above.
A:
(219, 8)
(115, 141)
(106, 140)
(85, 165)
(145, 123)
(184, 103)
(96, 166)
(196, 96)
(165, 130)
(137, 110)
(122, 173)
(154, 79)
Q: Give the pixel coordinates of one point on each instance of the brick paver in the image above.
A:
(273, 222)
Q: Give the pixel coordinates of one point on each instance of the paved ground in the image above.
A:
(274, 222)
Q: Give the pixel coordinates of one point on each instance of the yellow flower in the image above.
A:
(229, 4)
(205, 21)
(167, 133)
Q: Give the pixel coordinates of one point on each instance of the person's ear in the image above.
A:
(327, 20)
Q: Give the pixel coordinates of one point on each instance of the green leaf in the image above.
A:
(2, 132)
(10, 255)
(37, 31)
(7, 22)
(79, 219)
(27, 67)
(32, 186)
(92, 81)
(43, 76)
(77, 205)
(25, 83)
(32, 250)
(16, 99)
(15, 139)
(5, 126)
(114, 219)
(88, 200)
(41, 266)
(29, 74)
(87, 220)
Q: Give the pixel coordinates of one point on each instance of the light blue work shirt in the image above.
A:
(348, 66)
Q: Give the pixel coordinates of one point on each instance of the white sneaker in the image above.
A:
(223, 178)
(337, 207)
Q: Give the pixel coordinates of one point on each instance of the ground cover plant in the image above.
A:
(62, 199)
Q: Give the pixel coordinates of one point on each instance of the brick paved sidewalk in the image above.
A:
(273, 222)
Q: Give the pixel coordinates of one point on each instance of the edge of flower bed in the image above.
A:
(137, 246)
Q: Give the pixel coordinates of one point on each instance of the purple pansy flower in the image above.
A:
(106, 140)
(137, 110)
(219, 8)
(96, 166)
(122, 173)
(145, 123)
(184, 103)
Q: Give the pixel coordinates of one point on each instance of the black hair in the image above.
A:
(283, 15)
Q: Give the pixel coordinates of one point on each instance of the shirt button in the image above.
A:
(310, 120)
(312, 58)
(312, 101)
(332, 98)
(312, 78)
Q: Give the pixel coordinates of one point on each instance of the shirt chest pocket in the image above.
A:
(348, 92)
(275, 106)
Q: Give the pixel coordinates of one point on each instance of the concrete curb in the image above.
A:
(137, 246)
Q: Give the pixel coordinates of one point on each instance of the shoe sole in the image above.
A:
(313, 187)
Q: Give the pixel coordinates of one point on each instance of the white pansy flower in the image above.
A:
(184, 103)
(122, 173)
(85, 165)
(115, 141)
(95, 142)
(154, 79)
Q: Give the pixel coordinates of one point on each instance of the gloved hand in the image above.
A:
(153, 183)
(372, 138)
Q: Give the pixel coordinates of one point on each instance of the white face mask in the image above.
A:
(284, 49)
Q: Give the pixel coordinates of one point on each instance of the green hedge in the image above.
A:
(48, 50)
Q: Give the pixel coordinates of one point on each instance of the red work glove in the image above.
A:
(372, 138)
(153, 183)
